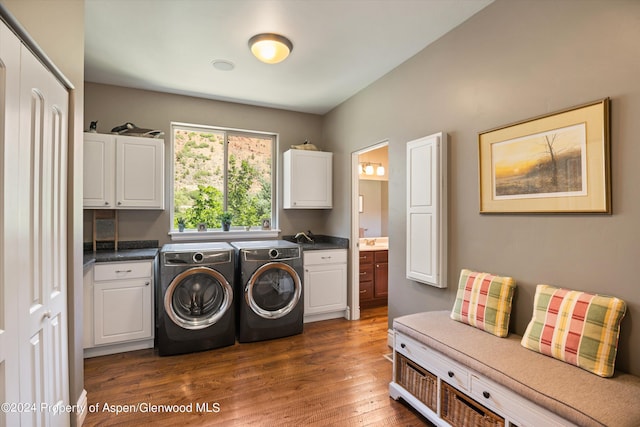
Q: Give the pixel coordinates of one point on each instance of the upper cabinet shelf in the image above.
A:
(307, 179)
(123, 172)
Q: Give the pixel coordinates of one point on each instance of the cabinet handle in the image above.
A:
(124, 271)
(364, 291)
(364, 273)
(486, 394)
(403, 345)
(325, 257)
(451, 374)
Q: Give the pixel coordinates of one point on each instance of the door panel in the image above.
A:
(41, 203)
(9, 152)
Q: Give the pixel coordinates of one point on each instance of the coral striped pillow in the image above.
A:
(576, 327)
(484, 301)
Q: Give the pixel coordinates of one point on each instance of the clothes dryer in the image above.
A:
(269, 289)
(195, 307)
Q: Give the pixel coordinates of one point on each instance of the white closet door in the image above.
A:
(427, 210)
(9, 235)
(42, 247)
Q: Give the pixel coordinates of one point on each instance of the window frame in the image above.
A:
(216, 234)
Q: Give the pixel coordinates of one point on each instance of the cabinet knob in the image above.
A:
(403, 345)
(106, 203)
(486, 394)
(377, 265)
(451, 374)
(46, 315)
(147, 283)
(119, 203)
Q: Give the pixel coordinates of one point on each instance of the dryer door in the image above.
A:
(273, 290)
(198, 298)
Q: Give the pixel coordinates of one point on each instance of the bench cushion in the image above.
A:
(573, 393)
(576, 327)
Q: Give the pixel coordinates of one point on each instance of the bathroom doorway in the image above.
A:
(370, 201)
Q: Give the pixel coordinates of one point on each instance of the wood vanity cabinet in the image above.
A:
(374, 282)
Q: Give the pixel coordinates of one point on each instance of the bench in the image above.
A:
(514, 385)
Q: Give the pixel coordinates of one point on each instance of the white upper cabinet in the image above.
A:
(307, 179)
(427, 210)
(99, 171)
(123, 172)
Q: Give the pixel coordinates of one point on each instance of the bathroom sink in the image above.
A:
(374, 243)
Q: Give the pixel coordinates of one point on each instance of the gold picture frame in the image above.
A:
(556, 163)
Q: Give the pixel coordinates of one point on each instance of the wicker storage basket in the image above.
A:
(417, 381)
(461, 411)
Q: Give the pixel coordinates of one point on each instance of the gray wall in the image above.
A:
(113, 106)
(512, 61)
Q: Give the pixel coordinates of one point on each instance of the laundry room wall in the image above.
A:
(113, 105)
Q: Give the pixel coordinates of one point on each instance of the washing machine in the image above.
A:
(195, 307)
(269, 290)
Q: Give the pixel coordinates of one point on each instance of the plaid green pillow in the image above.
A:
(484, 301)
(576, 327)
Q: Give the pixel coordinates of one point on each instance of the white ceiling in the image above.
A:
(339, 46)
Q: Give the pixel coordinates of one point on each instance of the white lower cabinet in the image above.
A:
(119, 308)
(325, 284)
(450, 394)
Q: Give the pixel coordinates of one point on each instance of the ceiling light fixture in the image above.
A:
(270, 48)
(368, 168)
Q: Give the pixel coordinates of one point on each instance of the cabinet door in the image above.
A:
(381, 281)
(427, 210)
(307, 179)
(99, 164)
(139, 173)
(87, 309)
(122, 311)
(325, 288)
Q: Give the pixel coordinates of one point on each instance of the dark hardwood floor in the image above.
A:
(333, 374)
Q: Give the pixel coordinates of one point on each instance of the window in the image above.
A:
(217, 170)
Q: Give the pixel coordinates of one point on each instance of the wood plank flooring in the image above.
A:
(333, 374)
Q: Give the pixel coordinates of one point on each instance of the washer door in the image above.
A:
(198, 298)
(273, 290)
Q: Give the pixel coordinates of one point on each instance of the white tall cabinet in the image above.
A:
(123, 172)
(427, 210)
(33, 238)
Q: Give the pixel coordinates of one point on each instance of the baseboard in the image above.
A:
(390, 338)
(103, 350)
(82, 403)
(325, 316)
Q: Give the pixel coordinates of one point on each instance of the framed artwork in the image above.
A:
(266, 224)
(557, 163)
(202, 226)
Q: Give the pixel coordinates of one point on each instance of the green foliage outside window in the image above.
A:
(248, 182)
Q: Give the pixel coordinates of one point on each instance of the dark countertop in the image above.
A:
(128, 251)
(321, 242)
